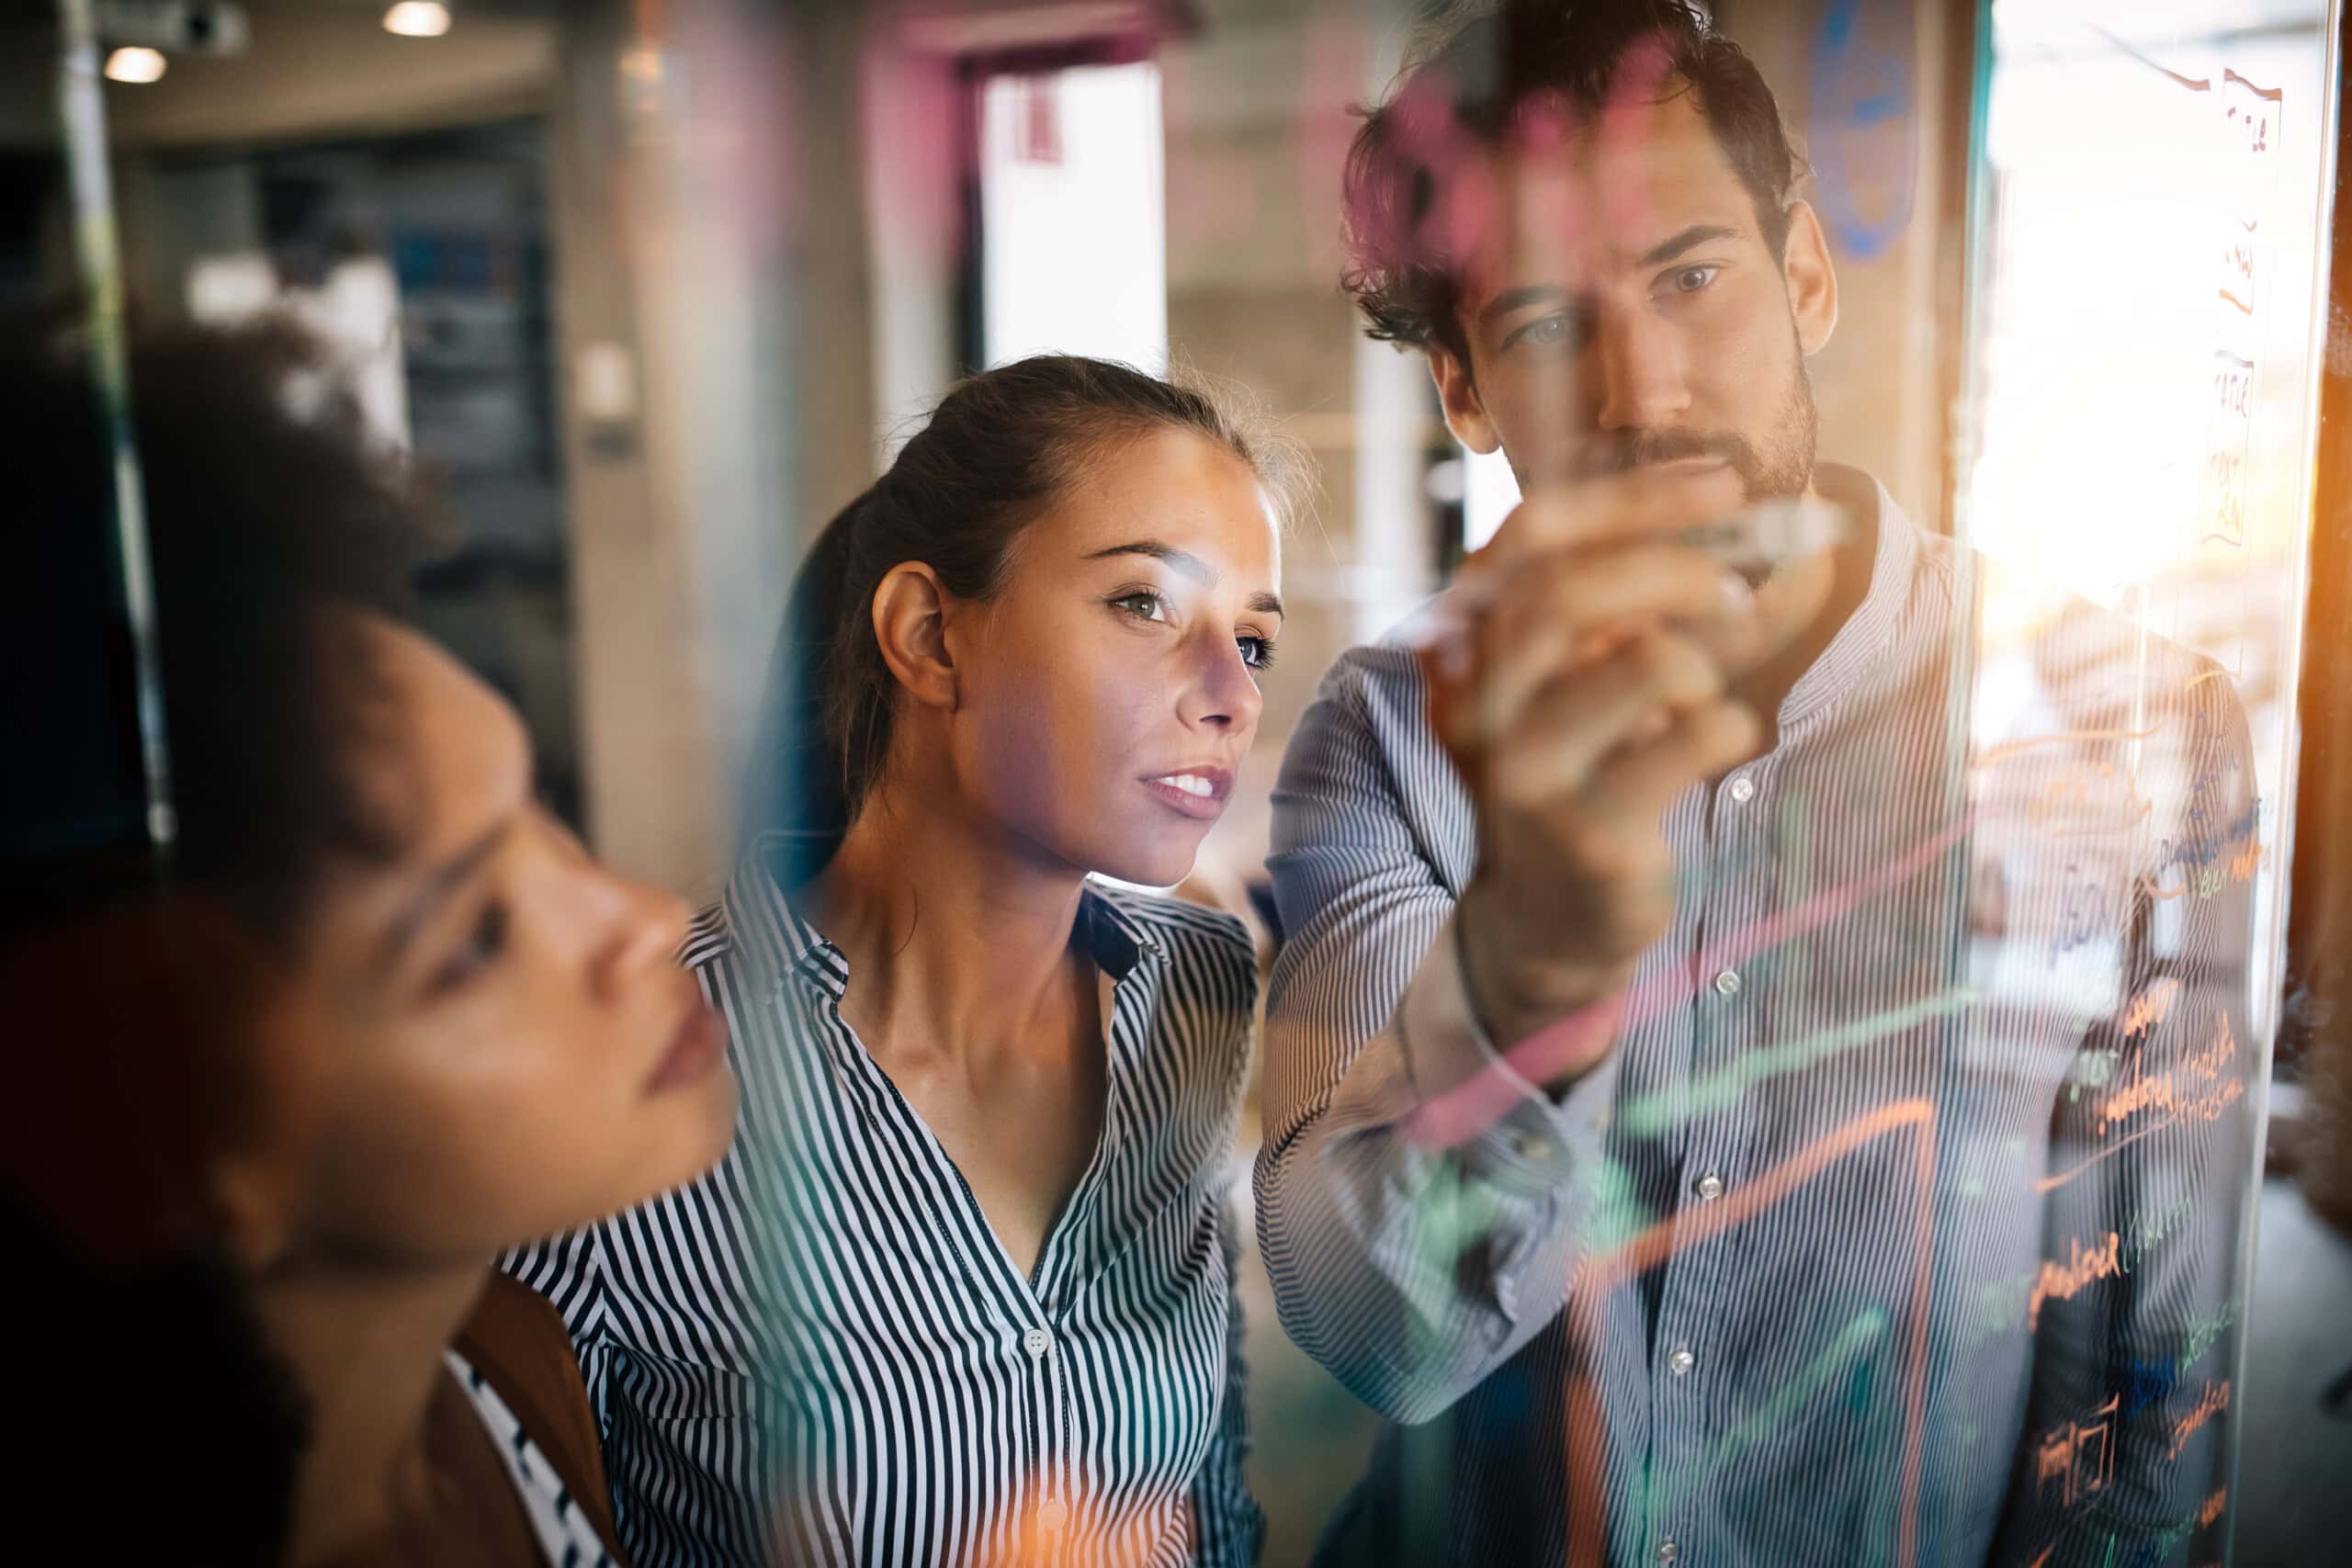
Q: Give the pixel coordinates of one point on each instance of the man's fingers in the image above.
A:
(1639, 782)
(1582, 589)
(1548, 744)
(1642, 502)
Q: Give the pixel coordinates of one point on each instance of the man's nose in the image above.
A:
(1639, 366)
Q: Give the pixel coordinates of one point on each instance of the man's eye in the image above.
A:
(1690, 279)
(1548, 333)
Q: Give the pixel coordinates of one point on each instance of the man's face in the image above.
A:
(1622, 306)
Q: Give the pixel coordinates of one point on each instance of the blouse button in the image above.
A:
(1037, 1342)
(1053, 1512)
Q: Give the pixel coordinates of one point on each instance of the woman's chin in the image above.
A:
(1162, 870)
(704, 1118)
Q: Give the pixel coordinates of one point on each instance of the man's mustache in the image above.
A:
(1652, 447)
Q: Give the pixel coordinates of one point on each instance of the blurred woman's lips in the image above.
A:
(695, 1052)
(1199, 792)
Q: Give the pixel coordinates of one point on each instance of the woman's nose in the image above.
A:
(1227, 696)
(649, 928)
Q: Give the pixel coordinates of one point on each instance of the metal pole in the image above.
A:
(81, 103)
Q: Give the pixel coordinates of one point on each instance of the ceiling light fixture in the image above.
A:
(417, 18)
(139, 65)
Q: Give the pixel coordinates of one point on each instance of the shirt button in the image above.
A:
(1531, 1147)
(1680, 1362)
(1742, 790)
(1727, 983)
(1710, 1188)
(1037, 1342)
(1667, 1550)
(1053, 1513)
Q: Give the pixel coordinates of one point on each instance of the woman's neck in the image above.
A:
(953, 932)
(367, 1346)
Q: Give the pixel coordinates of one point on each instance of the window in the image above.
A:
(1073, 219)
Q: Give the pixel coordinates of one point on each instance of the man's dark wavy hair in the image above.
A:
(1476, 80)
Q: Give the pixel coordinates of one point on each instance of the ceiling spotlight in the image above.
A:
(417, 18)
(135, 65)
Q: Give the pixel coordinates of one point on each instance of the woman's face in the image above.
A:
(511, 1049)
(1108, 692)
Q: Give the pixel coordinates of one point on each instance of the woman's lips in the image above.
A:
(1197, 792)
(695, 1052)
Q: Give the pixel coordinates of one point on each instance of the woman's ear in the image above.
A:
(910, 625)
(250, 1210)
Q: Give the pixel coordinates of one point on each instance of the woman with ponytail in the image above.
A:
(964, 1293)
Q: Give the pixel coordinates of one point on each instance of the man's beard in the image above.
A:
(1782, 466)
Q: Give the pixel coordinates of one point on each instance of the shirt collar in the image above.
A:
(1861, 643)
(772, 936)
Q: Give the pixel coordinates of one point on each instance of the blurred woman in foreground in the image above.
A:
(453, 1029)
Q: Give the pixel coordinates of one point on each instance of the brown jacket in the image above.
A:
(518, 1342)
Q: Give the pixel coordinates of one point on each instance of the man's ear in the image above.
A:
(910, 623)
(1457, 393)
(1812, 281)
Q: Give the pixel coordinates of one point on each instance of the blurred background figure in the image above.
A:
(384, 1017)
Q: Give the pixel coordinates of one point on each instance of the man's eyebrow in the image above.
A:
(1512, 299)
(1185, 561)
(1696, 235)
(446, 879)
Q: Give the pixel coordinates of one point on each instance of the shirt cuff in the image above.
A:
(1530, 1142)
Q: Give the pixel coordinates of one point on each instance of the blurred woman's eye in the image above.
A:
(480, 949)
(1258, 652)
(1143, 603)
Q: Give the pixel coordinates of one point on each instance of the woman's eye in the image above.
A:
(1258, 652)
(1690, 279)
(1143, 605)
(479, 952)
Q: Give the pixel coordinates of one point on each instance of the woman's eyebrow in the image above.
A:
(1190, 565)
(439, 886)
(1184, 561)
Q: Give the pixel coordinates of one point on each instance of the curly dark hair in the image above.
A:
(265, 506)
(995, 452)
(1470, 87)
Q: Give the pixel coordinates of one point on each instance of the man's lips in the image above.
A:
(1198, 790)
(695, 1050)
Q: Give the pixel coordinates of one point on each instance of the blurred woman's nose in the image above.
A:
(648, 927)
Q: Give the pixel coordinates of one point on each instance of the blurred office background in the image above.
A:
(653, 285)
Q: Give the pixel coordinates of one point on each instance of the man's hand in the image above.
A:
(1577, 712)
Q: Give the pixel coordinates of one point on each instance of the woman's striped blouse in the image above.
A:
(819, 1354)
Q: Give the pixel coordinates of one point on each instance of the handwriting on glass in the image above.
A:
(2079, 1457)
(2063, 1281)
(2216, 1399)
